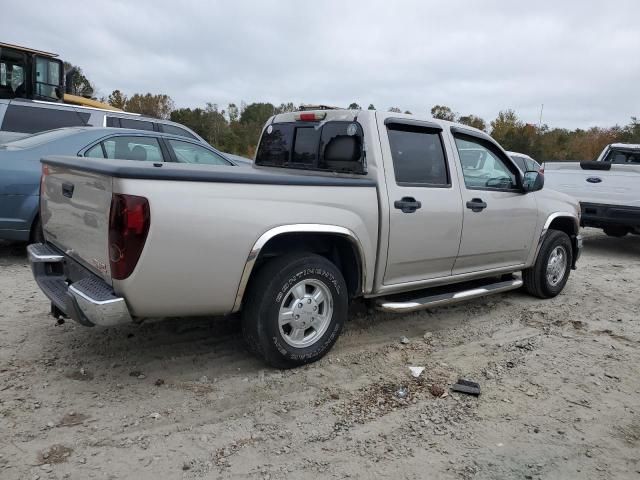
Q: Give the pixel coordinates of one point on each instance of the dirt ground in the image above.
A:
(182, 399)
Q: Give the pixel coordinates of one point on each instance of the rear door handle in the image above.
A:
(476, 205)
(407, 204)
(67, 189)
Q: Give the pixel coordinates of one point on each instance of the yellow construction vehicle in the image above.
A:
(38, 75)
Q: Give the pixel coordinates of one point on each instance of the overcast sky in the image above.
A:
(580, 59)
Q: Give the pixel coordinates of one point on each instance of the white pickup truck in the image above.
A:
(408, 213)
(608, 189)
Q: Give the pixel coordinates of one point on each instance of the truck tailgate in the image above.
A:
(75, 215)
(618, 186)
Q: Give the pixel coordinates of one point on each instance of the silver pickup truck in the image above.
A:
(608, 189)
(407, 213)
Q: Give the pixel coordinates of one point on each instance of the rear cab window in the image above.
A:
(336, 146)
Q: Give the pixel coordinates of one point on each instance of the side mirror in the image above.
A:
(532, 181)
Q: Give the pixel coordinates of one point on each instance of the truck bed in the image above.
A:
(204, 223)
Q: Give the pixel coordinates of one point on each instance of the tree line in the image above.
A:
(236, 127)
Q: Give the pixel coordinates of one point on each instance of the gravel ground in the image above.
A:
(182, 399)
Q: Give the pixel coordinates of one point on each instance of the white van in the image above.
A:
(21, 117)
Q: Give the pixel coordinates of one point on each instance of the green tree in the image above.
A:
(395, 110)
(286, 107)
(443, 112)
(354, 106)
(117, 99)
(473, 121)
(408, 112)
(371, 107)
(80, 84)
(233, 112)
(158, 106)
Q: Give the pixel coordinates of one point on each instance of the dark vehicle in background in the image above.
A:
(20, 165)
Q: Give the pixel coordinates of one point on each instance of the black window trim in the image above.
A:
(428, 127)
(412, 123)
(491, 145)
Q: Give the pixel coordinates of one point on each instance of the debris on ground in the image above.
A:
(466, 386)
(54, 454)
(416, 371)
(436, 390)
(404, 340)
(402, 392)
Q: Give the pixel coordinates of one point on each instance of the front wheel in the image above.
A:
(549, 274)
(295, 309)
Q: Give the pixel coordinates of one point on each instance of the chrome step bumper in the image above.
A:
(87, 300)
(447, 298)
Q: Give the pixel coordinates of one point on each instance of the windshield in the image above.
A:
(623, 156)
(41, 138)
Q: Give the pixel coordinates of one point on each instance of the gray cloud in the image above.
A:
(578, 58)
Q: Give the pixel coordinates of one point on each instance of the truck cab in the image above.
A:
(30, 74)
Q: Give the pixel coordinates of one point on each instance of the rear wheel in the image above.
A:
(295, 309)
(549, 274)
(615, 231)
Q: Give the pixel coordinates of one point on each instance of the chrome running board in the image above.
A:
(439, 299)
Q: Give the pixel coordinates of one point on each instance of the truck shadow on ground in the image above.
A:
(627, 247)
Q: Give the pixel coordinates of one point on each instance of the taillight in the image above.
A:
(129, 221)
(310, 117)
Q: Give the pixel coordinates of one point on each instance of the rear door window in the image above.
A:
(133, 148)
(418, 156)
(187, 152)
(28, 119)
(330, 146)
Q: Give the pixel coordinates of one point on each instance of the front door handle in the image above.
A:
(476, 205)
(67, 189)
(407, 204)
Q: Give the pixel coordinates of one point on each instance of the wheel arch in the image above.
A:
(338, 244)
(562, 221)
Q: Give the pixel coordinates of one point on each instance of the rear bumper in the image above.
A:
(600, 215)
(73, 290)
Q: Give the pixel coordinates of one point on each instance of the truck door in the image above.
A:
(499, 219)
(425, 210)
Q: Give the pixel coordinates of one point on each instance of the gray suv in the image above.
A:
(20, 117)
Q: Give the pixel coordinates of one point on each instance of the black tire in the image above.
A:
(615, 231)
(535, 278)
(37, 235)
(267, 293)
